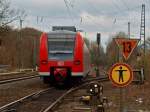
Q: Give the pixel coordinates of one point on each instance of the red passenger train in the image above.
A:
(63, 57)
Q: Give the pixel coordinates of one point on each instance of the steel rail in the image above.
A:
(17, 79)
(15, 73)
(7, 106)
(53, 104)
(58, 101)
(9, 73)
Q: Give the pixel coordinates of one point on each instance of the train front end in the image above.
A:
(61, 56)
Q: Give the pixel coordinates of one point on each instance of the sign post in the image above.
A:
(121, 73)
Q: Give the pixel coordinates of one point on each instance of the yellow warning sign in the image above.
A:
(121, 74)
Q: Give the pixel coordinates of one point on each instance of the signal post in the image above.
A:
(98, 49)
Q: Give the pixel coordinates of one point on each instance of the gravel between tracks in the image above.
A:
(16, 90)
(71, 102)
(132, 94)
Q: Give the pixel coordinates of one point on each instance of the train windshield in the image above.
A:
(61, 47)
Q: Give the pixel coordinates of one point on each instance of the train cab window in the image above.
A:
(61, 47)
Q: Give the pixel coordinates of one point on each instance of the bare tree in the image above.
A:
(97, 59)
(8, 15)
(112, 48)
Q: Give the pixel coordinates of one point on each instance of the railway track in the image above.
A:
(19, 78)
(34, 102)
(43, 101)
(54, 105)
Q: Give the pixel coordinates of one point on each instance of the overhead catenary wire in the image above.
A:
(115, 13)
(128, 10)
(97, 23)
(124, 3)
(69, 2)
(87, 16)
(116, 6)
(68, 9)
(118, 10)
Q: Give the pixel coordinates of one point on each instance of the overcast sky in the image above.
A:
(91, 16)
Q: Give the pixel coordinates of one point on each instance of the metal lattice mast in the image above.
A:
(142, 27)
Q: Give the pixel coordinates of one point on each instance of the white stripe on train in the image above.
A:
(73, 73)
